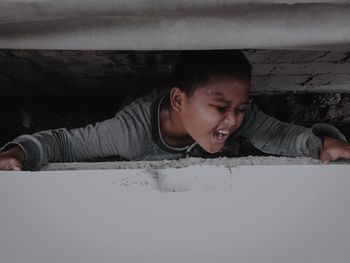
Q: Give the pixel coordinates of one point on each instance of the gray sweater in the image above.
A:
(134, 134)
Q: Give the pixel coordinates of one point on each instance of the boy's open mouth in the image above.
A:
(220, 136)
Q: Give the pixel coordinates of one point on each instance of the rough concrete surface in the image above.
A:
(228, 163)
(202, 213)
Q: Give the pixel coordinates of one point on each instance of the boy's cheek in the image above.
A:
(240, 121)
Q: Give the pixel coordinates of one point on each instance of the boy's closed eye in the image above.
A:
(224, 108)
(241, 109)
(221, 109)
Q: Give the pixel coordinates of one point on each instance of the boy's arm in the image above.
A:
(275, 137)
(126, 135)
(110, 138)
(63, 145)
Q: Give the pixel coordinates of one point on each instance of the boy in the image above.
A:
(206, 107)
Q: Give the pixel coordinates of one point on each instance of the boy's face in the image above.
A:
(214, 111)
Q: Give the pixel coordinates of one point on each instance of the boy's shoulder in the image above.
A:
(135, 126)
(143, 100)
(140, 109)
(143, 109)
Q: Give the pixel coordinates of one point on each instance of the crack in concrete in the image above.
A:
(346, 58)
(308, 80)
(322, 56)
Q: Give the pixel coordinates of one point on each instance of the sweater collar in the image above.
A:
(156, 131)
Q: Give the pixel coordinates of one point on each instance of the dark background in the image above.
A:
(47, 89)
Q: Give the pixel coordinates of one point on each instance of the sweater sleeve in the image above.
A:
(275, 137)
(63, 145)
(124, 135)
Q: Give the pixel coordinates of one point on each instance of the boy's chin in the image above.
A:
(210, 146)
(212, 149)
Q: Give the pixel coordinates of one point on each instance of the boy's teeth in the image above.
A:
(223, 132)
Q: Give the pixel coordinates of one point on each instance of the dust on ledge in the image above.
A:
(186, 162)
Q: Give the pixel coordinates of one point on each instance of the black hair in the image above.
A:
(194, 68)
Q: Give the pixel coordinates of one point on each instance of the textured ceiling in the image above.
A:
(174, 25)
(35, 73)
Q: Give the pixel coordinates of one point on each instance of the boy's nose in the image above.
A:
(230, 119)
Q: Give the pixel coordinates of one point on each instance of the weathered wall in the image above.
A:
(68, 73)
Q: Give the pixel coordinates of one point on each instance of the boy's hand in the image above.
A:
(334, 149)
(12, 159)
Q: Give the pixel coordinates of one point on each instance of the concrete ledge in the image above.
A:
(199, 213)
(186, 162)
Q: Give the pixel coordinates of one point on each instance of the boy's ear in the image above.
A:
(176, 98)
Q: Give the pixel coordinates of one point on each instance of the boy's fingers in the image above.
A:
(15, 165)
(346, 153)
(325, 158)
(326, 161)
(328, 156)
(10, 164)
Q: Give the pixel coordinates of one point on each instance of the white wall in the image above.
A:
(263, 213)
